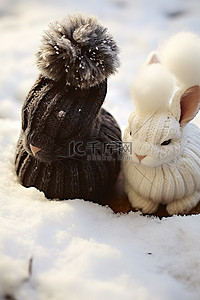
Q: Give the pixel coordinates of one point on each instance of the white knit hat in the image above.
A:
(164, 166)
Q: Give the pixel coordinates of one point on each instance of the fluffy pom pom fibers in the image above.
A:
(181, 55)
(79, 51)
(152, 89)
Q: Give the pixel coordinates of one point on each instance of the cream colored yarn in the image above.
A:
(176, 183)
(155, 173)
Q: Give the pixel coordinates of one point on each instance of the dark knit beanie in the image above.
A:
(69, 147)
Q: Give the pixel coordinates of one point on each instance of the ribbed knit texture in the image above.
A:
(52, 126)
(167, 174)
(175, 184)
(163, 165)
(62, 115)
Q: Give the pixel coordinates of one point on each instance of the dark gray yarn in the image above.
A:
(57, 116)
(78, 50)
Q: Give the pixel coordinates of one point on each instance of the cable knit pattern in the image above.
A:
(175, 184)
(163, 162)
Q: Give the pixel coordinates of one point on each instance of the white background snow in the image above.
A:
(81, 250)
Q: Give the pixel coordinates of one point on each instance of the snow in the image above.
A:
(75, 249)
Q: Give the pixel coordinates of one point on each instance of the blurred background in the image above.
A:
(138, 27)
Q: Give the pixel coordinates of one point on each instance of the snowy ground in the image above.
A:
(75, 249)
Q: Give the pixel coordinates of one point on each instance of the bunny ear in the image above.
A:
(186, 105)
(189, 104)
(152, 58)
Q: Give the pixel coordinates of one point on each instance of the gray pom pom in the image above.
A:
(78, 50)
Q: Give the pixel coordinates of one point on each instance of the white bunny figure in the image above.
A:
(163, 164)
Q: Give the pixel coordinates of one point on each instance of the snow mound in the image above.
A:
(75, 249)
(86, 251)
